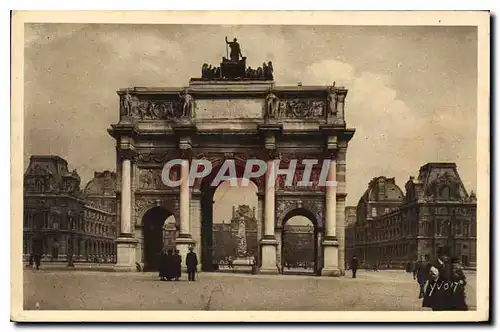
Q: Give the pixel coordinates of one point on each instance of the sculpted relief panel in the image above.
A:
(276, 108)
(151, 178)
(180, 106)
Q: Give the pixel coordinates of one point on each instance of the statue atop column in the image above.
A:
(187, 106)
(271, 105)
(127, 104)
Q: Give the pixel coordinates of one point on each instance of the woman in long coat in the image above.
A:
(163, 265)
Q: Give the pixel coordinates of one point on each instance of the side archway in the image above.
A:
(154, 235)
(299, 242)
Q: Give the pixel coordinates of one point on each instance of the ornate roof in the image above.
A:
(437, 182)
(103, 184)
(48, 173)
(382, 189)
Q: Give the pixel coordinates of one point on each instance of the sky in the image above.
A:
(412, 90)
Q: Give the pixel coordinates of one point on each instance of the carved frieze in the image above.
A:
(281, 183)
(153, 158)
(301, 109)
(171, 109)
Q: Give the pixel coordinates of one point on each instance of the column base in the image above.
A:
(331, 272)
(330, 257)
(125, 253)
(268, 258)
(183, 242)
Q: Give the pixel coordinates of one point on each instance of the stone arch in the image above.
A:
(314, 208)
(143, 205)
(299, 248)
(153, 235)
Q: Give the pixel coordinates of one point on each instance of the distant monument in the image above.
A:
(233, 67)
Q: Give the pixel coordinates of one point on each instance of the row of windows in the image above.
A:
(47, 220)
(440, 228)
(97, 216)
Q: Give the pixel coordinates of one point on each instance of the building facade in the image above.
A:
(436, 212)
(71, 224)
(225, 117)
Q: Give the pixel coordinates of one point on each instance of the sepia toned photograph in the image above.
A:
(250, 167)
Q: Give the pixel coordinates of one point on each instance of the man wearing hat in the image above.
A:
(191, 264)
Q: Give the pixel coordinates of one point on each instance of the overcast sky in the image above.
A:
(412, 90)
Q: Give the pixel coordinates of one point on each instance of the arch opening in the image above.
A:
(229, 225)
(299, 243)
(158, 228)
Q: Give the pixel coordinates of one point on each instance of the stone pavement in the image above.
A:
(94, 290)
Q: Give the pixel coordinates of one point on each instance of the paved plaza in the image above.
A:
(94, 290)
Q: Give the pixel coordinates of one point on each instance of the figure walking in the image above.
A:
(421, 274)
(162, 264)
(37, 252)
(178, 262)
(354, 266)
(191, 264)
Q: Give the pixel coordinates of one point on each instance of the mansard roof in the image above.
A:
(103, 184)
(382, 189)
(433, 179)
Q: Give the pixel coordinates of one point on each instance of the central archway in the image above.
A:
(299, 250)
(155, 232)
(225, 213)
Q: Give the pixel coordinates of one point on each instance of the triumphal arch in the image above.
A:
(230, 113)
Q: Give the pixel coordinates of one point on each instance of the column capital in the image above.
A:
(331, 154)
(272, 154)
(127, 154)
(185, 153)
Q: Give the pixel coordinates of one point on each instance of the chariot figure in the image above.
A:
(235, 50)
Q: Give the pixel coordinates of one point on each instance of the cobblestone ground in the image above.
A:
(89, 290)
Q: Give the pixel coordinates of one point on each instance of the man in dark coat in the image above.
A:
(421, 274)
(162, 266)
(354, 266)
(37, 252)
(177, 264)
(191, 263)
(458, 280)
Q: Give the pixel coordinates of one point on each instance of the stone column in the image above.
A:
(330, 242)
(268, 242)
(184, 240)
(126, 243)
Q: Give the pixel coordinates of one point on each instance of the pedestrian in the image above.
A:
(354, 266)
(421, 274)
(37, 252)
(191, 264)
(169, 265)
(178, 262)
(162, 265)
(30, 261)
(458, 280)
(434, 298)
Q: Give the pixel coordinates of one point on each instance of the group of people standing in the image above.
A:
(441, 283)
(170, 265)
